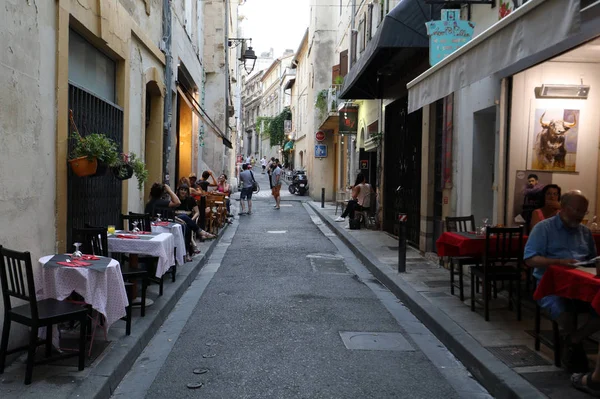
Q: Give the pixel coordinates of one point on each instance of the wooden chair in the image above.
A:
(17, 280)
(501, 262)
(93, 240)
(460, 224)
(218, 201)
(143, 221)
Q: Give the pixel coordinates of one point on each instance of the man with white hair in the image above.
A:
(563, 240)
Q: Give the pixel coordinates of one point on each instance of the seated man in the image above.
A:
(204, 183)
(156, 193)
(563, 240)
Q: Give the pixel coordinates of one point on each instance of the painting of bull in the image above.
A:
(555, 144)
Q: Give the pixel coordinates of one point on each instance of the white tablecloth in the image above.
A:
(161, 245)
(105, 291)
(177, 230)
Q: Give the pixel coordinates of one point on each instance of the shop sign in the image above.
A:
(364, 164)
(348, 116)
(320, 151)
(320, 135)
(447, 35)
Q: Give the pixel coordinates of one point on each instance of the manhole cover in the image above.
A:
(518, 356)
(327, 263)
(375, 341)
(437, 283)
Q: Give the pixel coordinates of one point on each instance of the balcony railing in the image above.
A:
(327, 102)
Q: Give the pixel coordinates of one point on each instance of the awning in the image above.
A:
(520, 40)
(288, 146)
(400, 36)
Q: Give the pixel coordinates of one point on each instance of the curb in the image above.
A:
(499, 379)
(108, 373)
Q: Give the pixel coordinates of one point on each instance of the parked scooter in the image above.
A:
(299, 184)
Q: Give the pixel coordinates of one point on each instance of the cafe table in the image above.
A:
(177, 230)
(160, 245)
(465, 244)
(104, 289)
(569, 282)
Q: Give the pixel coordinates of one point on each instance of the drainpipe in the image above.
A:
(168, 112)
(226, 47)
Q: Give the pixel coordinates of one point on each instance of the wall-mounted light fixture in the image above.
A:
(247, 52)
(580, 92)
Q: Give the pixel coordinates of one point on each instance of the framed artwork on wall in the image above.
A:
(553, 139)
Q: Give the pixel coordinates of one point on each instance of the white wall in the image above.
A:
(476, 97)
(585, 178)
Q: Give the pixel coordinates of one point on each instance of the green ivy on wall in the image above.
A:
(260, 127)
(276, 127)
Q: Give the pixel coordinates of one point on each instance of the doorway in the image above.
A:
(484, 150)
(153, 138)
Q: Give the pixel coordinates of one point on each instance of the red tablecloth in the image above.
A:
(461, 244)
(570, 283)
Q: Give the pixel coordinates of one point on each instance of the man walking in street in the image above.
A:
(246, 194)
(263, 163)
(270, 171)
(276, 180)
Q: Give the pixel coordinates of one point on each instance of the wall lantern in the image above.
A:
(248, 53)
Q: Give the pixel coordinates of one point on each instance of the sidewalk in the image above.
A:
(99, 379)
(499, 353)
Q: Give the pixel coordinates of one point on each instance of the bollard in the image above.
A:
(323, 197)
(402, 218)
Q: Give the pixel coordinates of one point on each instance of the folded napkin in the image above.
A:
(74, 263)
(164, 224)
(126, 236)
(143, 232)
(89, 257)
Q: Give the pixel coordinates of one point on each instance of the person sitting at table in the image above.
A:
(549, 207)
(156, 201)
(224, 188)
(204, 183)
(188, 213)
(563, 240)
(195, 190)
(361, 198)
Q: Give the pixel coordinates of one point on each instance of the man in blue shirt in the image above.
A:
(563, 240)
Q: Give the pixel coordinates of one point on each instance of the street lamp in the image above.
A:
(247, 53)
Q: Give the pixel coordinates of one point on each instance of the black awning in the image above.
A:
(227, 143)
(401, 36)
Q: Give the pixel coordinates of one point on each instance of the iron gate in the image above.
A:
(94, 200)
(402, 169)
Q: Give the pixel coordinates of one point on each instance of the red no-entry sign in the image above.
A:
(320, 135)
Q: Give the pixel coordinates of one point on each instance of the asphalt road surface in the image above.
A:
(283, 309)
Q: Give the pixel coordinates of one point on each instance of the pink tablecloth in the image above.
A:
(105, 291)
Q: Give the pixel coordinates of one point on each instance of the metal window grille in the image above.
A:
(94, 200)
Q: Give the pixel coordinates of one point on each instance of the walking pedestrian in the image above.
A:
(247, 179)
(263, 163)
(276, 178)
(270, 170)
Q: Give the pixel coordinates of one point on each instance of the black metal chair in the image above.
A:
(166, 213)
(460, 224)
(143, 220)
(19, 283)
(501, 262)
(93, 240)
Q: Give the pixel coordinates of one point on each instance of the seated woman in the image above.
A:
(224, 188)
(361, 198)
(156, 193)
(188, 212)
(550, 205)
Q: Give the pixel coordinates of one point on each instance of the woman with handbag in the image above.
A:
(361, 198)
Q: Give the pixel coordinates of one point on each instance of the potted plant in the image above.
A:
(128, 165)
(93, 154)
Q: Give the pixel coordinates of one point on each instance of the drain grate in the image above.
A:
(518, 356)
(437, 283)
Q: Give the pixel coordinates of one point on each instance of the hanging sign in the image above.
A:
(320, 135)
(447, 35)
(348, 119)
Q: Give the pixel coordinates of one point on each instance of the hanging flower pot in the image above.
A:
(84, 166)
(123, 172)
